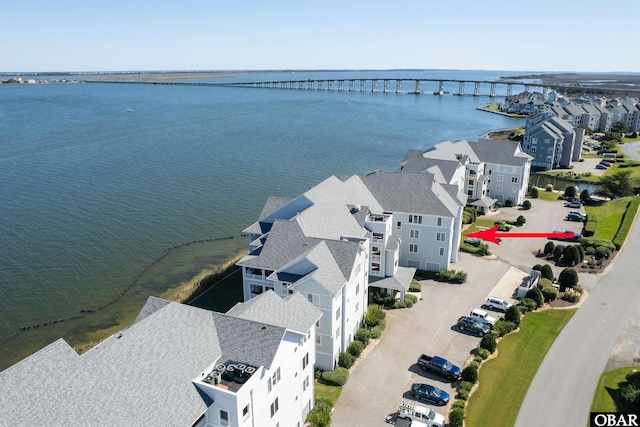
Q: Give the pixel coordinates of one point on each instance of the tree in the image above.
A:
(534, 192)
(571, 256)
(521, 220)
(536, 295)
(616, 185)
(620, 127)
(568, 278)
(548, 249)
(526, 205)
(570, 191)
(557, 252)
(513, 315)
(546, 271)
(584, 196)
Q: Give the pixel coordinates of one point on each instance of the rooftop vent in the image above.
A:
(355, 209)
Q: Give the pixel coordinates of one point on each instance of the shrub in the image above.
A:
(542, 283)
(346, 360)
(498, 205)
(513, 315)
(408, 303)
(475, 363)
(339, 376)
(571, 256)
(363, 335)
(594, 243)
(456, 417)
(602, 252)
(535, 295)
(630, 393)
(534, 192)
(355, 348)
(550, 293)
(317, 373)
(548, 188)
(546, 271)
(488, 342)
(570, 191)
(477, 360)
(585, 195)
(459, 404)
(463, 394)
(557, 252)
(415, 286)
(470, 373)
(400, 304)
(538, 266)
(484, 353)
(374, 316)
(548, 248)
(508, 203)
(526, 205)
(503, 327)
(413, 298)
(521, 220)
(465, 385)
(633, 377)
(452, 276)
(571, 295)
(527, 304)
(320, 415)
(581, 252)
(568, 278)
(383, 299)
(376, 331)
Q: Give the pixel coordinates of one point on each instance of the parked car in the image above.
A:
(471, 324)
(605, 163)
(573, 205)
(599, 166)
(483, 316)
(497, 304)
(440, 366)
(576, 216)
(473, 241)
(503, 225)
(430, 393)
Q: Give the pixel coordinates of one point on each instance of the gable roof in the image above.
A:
(142, 376)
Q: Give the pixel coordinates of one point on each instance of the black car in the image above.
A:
(466, 323)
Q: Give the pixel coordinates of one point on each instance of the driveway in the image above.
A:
(383, 376)
(631, 150)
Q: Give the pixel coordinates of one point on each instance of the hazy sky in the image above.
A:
(108, 35)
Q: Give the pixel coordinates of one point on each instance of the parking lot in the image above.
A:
(384, 376)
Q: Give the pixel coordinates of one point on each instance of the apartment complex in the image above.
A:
(341, 237)
(552, 141)
(176, 365)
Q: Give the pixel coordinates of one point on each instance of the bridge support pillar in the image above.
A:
(527, 88)
(398, 86)
(341, 85)
(387, 86)
(476, 89)
(302, 85)
(461, 89)
(509, 89)
(493, 90)
(441, 88)
(418, 90)
(320, 84)
(330, 83)
(363, 85)
(352, 85)
(374, 85)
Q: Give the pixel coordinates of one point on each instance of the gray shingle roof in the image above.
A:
(142, 377)
(500, 152)
(399, 281)
(411, 193)
(293, 312)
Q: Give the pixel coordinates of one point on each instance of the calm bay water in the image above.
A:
(91, 195)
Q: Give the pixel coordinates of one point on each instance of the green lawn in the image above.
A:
(486, 223)
(547, 195)
(607, 396)
(329, 392)
(504, 381)
(609, 215)
(223, 295)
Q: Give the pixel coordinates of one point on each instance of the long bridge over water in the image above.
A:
(385, 85)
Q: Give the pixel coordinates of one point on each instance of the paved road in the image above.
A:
(564, 385)
(631, 150)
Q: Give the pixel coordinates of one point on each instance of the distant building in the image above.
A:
(552, 141)
(176, 365)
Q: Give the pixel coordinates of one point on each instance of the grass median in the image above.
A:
(504, 380)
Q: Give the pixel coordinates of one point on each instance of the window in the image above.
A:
(375, 267)
(318, 323)
(318, 340)
(470, 194)
(415, 234)
(305, 360)
(358, 307)
(441, 237)
(413, 248)
(305, 383)
(399, 225)
(310, 298)
(338, 313)
(275, 379)
(500, 178)
(357, 288)
(224, 417)
(514, 179)
(274, 407)
(489, 172)
(338, 332)
(245, 412)
(470, 183)
(439, 222)
(441, 251)
(416, 219)
(498, 187)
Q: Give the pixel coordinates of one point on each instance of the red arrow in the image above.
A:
(492, 235)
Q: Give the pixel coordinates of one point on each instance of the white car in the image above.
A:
(483, 316)
(497, 304)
